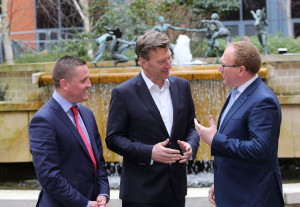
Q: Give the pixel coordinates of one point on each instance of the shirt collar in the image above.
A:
(150, 84)
(64, 103)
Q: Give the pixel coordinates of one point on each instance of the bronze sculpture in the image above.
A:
(260, 23)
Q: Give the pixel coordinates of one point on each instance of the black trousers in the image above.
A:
(170, 201)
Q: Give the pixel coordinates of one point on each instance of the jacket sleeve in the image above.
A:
(117, 138)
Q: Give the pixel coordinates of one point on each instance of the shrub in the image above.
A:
(198, 48)
(2, 92)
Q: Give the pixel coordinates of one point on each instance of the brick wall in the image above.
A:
(19, 80)
(22, 16)
(285, 78)
(20, 88)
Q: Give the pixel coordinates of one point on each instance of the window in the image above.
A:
(295, 4)
(249, 5)
(297, 30)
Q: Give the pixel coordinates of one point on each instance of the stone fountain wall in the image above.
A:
(23, 99)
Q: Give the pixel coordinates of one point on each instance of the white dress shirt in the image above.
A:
(162, 99)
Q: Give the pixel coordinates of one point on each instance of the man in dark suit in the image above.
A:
(150, 124)
(65, 143)
(245, 145)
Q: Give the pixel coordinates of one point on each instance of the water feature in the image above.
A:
(208, 93)
(182, 52)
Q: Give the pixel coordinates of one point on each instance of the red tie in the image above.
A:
(75, 112)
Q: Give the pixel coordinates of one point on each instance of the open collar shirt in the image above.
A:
(162, 99)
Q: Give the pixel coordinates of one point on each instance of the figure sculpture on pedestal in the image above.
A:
(218, 30)
(260, 23)
(164, 27)
(112, 33)
(117, 46)
(214, 30)
(209, 31)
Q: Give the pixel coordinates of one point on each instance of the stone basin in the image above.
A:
(22, 99)
(208, 93)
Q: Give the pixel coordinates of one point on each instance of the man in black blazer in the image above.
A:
(69, 173)
(150, 124)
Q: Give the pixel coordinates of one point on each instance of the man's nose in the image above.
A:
(220, 68)
(89, 84)
(169, 63)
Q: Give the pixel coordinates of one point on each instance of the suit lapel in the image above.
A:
(144, 94)
(223, 108)
(175, 103)
(69, 124)
(237, 104)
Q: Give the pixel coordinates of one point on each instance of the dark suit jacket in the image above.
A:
(135, 126)
(246, 169)
(61, 160)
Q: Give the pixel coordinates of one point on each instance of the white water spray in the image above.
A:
(182, 52)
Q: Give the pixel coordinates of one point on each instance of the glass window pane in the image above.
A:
(295, 4)
(249, 5)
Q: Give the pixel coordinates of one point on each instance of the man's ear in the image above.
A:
(242, 70)
(63, 83)
(142, 62)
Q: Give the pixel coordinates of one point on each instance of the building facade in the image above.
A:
(241, 22)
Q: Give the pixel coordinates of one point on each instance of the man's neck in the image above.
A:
(63, 94)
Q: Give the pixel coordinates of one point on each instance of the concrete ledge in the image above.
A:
(196, 197)
(6, 106)
(291, 193)
(119, 75)
(289, 100)
(280, 58)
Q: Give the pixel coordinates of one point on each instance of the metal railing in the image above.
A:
(45, 39)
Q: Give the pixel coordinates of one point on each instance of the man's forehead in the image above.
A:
(158, 49)
(228, 53)
(158, 52)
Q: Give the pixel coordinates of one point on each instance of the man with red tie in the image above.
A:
(65, 142)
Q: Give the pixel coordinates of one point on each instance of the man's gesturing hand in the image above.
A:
(206, 133)
(165, 155)
(187, 151)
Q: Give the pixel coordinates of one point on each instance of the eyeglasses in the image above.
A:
(233, 66)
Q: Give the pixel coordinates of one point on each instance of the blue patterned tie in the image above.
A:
(234, 92)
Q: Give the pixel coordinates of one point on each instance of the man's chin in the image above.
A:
(85, 98)
(166, 75)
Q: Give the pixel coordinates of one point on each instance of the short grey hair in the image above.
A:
(151, 40)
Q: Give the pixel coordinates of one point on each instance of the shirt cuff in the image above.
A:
(107, 197)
